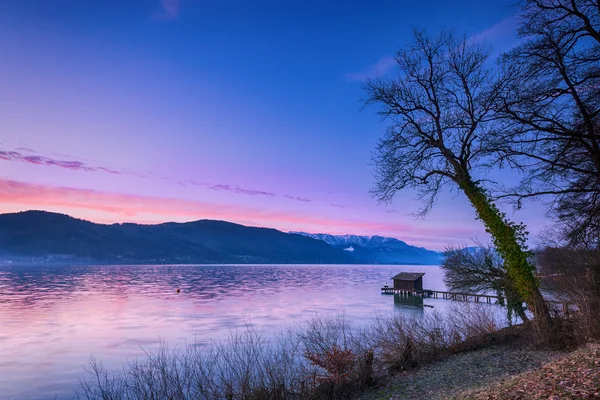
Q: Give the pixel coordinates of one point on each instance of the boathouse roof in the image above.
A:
(408, 276)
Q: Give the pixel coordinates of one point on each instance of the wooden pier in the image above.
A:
(437, 294)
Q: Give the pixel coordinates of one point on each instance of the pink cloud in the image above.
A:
(75, 165)
(380, 68)
(113, 207)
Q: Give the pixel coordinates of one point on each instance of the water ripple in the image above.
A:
(54, 317)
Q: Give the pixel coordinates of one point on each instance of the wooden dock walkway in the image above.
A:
(436, 294)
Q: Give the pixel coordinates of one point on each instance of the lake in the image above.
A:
(53, 318)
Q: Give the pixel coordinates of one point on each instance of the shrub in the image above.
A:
(572, 277)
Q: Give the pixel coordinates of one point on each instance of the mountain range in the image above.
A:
(41, 237)
(378, 249)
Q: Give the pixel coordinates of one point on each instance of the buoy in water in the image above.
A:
(178, 290)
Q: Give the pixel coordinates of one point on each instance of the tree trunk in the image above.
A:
(523, 316)
(594, 301)
(509, 240)
(517, 307)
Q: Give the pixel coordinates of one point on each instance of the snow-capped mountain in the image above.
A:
(378, 249)
(364, 241)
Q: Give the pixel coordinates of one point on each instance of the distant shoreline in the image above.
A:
(40, 237)
(142, 264)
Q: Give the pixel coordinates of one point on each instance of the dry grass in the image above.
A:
(576, 376)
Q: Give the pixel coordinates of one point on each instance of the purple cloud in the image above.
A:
(9, 155)
(81, 166)
(338, 205)
(39, 160)
(380, 68)
(296, 198)
(228, 188)
(241, 190)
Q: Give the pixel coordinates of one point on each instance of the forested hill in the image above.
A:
(42, 236)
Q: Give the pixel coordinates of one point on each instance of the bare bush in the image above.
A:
(405, 341)
(325, 358)
(245, 366)
(571, 276)
(472, 320)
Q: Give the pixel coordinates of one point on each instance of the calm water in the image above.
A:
(52, 319)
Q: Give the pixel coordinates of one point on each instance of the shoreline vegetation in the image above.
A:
(466, 353)
(324, 358)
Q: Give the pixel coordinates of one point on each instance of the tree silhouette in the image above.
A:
(441, 110)
(551, 106)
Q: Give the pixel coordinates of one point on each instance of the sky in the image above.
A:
(177, 110)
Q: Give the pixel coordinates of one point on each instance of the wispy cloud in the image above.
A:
(338, 205)
(221, 187)
(241, 190)
(296, 198)
(497, 35)
(380, 68)
(39, 160)
(170, 10)
(75, 165)
(505, 28)
(501, 36)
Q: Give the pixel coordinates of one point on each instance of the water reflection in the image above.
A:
(413, 304)
(54, 318)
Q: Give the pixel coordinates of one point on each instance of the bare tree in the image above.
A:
(441, 114)
(481, 269)
(552, 103)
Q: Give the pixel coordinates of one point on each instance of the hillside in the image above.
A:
(378, 249)
(42, 236)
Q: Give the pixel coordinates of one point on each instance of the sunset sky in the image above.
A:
(176, 110)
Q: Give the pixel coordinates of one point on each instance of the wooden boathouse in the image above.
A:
(408, 281)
